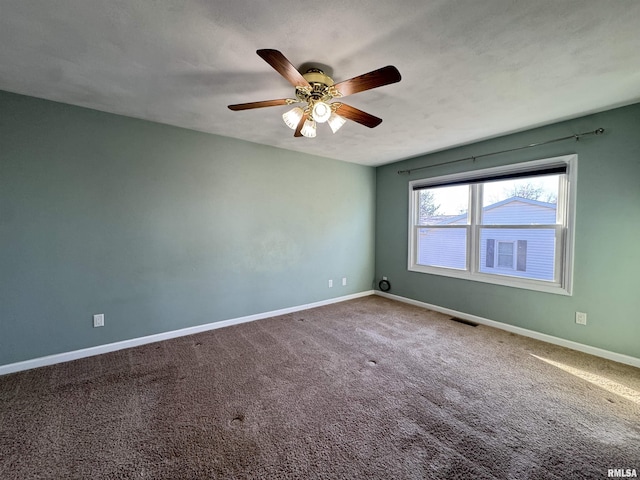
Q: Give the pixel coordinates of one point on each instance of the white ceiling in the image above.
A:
(472, 69)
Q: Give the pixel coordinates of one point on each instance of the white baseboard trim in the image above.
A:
(134, 342)
(598, 352)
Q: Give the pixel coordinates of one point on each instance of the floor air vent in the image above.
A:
(466, 322)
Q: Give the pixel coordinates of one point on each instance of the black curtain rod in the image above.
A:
(598, 131)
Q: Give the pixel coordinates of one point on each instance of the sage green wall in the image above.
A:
(607, 246)
(162, 228)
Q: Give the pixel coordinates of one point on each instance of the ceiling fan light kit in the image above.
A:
(309, 129)
(321, 112)
(292, 117)
(317, 89)
(335, 122)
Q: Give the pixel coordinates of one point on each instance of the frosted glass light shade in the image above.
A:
(309, 129)
(292, 117)
(335, 122)
(321, 112)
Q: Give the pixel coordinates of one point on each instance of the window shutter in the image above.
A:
(522, 256)
(490, 252)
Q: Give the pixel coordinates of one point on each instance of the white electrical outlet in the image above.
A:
(581, 318)
(344, 281)
(384, 278)
(98, 320)
(330, 283)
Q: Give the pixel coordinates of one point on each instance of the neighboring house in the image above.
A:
(523, 252)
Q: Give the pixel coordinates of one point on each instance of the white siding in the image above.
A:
(518, 213)
(540, 251)
(446, 247)
(440, 247)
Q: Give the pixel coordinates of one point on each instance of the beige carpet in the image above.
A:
(369, 388)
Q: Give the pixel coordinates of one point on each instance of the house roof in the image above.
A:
(528, 201)
(451, 219)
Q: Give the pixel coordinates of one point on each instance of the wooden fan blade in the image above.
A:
(283, 66)
(265, 103)
(363, 118)
(377, 78)
(298, 132)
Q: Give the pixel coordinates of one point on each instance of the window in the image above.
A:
(508, 225)
(505, 255)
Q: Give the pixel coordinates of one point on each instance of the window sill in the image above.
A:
(522, 283)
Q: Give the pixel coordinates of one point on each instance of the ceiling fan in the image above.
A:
(316, 90)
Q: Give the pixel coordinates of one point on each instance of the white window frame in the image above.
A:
(565, 227)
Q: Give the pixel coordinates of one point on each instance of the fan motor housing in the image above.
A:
(315, 75)
(320, 83)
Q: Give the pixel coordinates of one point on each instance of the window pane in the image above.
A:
(526, 201)
(443, 205)
(521, 252)
(442, 247)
